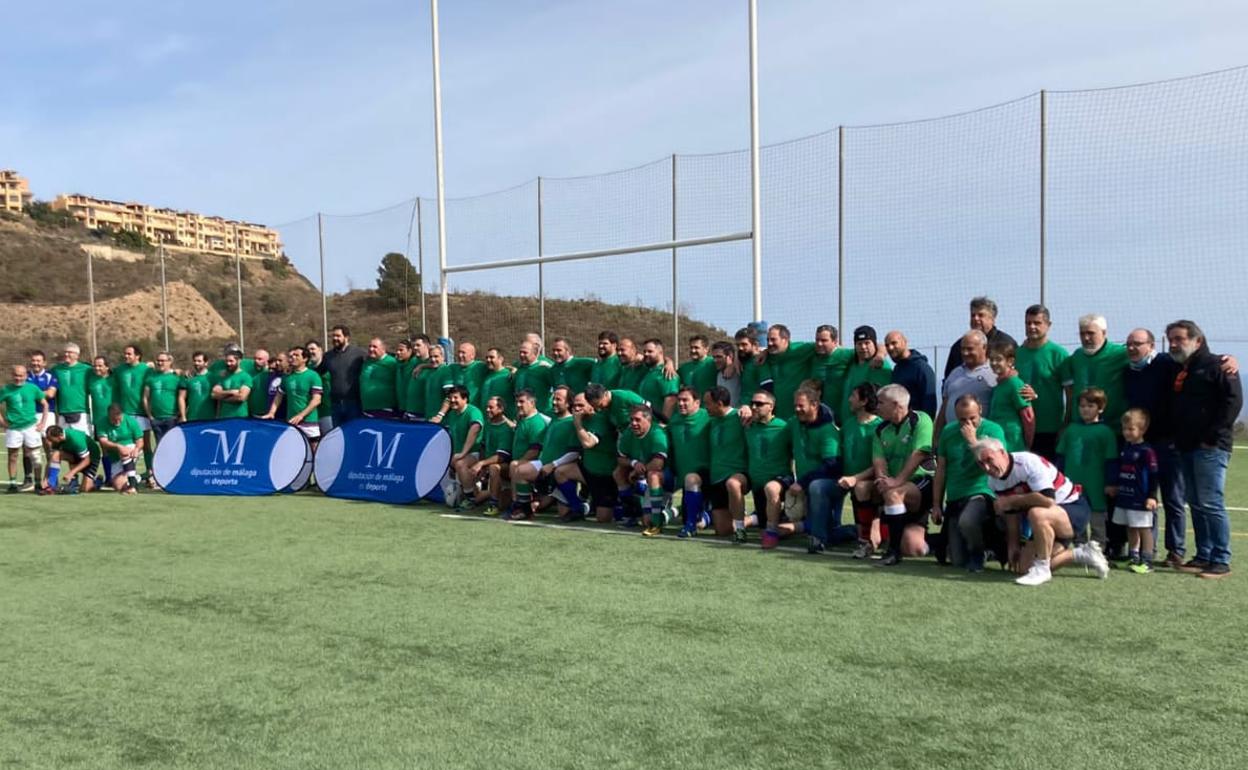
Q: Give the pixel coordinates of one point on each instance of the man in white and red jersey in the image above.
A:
(1028, 485)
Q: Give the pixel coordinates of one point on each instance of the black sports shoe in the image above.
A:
(814, 546)
(1195, 566)
(891, 560)
(1216, 571)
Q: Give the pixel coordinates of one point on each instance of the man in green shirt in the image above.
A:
(657, 387)
(466, 425)
(300, 392)
(160, 400)
(569, 370)
(902, 456)
(526, 446)
(643, 458)
(1097, 363)
(690, 433)
(1039, 363)
(232, 391)
(497, 383)
(83, 453)
(857, 442)
(534, 376)
(24, 415)
(195, 391)
(606, 370)
(787, 365)
(404, 363)
(729, 477)
(100, 393)
(560, 448)
(829, 365)
(122, 441)
(71, 390)
(817, 465)
(377, 381)
(750, 368)
(632, 368)
(869, 365)
(129, 379)
(468, 371)
(769, 454)
(325, 412)
(616, 404)
(598, 441)
(262, 376)
(436, 378)
(699, 371)
(961, 497)
(498, 438)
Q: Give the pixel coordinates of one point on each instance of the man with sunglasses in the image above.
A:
(769, 456)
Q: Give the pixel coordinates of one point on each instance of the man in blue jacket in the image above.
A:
(912, 371)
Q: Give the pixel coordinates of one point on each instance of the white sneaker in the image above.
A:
(1035, 576)
(1090, 556)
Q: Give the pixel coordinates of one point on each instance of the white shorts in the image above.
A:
(116, 468)
(143, 422)
(310, 429)
(1127, 517)
(537, 465)
(44, 424)
(30, 438)
(82, 423)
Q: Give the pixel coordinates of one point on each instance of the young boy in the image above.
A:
(1084, 449)
(1136, 491)
(1008, 408)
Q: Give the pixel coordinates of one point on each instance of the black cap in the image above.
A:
(864, 333)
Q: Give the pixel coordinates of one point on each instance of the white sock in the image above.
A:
(895, 510)
(1041, 565)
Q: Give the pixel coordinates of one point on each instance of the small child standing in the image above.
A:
(1087, 445)
(1008, 408)
(1136, 491)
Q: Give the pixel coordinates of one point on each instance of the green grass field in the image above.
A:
(303, 632)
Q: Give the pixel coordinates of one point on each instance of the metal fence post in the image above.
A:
(840, 231)
(420, 263)
(320, 241)
(91, 303)
(675, 279)
(164, 298)
(541, 275)
(1043, 184)
(238, 275)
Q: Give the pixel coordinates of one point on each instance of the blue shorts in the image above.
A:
(1079, 513)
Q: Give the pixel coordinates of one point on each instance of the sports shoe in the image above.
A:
(890, 560)
(1089, 555)
(770, 540)
(863, 550)
(12, 490)
(1195, 566)
(571, 516)
(1216, 571)
(739, 536)
(1036, 576)
(467, 504)
(652, 532)
(45, 491)
(29, 486)
(1140, 567)
(689, 530)
(975, 563)
(815, 545)
(491, 510)
(629, 522)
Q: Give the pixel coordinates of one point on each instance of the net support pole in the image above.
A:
(164, 298)
(420, 264)
(840, 231)
(320, 244)
(238, 275)
(1044, 142)
(675, 279)
(541, 271)
(445, 325)
(91, 303)
(756, 214)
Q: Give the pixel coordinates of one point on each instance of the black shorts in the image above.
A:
(602, 489)
(717, 492)
(161, 427)
(760, 496)
(925, 497)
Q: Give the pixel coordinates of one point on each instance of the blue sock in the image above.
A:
(568, 488)
(54, 475)
(693, 507)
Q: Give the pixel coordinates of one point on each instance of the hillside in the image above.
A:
(43, 302)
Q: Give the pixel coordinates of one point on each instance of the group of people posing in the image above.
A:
(1032, 455)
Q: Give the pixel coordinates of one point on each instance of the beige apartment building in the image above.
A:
(176, 230)
(15, 192)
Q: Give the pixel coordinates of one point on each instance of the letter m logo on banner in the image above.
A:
(226, 453)
(383, 454)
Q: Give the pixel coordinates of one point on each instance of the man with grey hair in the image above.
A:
(71, 389)
(1096, 363)
(902, 457)
(984, 319)
(973, 376)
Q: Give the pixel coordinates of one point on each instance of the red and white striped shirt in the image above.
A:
(1032, 473)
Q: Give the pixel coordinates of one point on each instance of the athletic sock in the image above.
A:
(524, 493)
(1133, 555)
(864, 514)
(693, 507)
(147, 460)
(568, 489)
(1146, 557)
(37, 471)
(654, 503)
(54, 475)
(738, 525)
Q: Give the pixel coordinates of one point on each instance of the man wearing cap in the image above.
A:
(984, 319)
(869, 365)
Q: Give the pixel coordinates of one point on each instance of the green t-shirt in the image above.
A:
(497, 439)
(217, 370)
(622, 401)
(895, 443)
(100, 391)
(297, 389)
(326, 410)
(258, 398)
(124, 433)
(606, 372)
(575, 373)
(71, 387)
(963, 476)
(530, 434)
(79, 445)
(857, 441)
(1103, 370)
(128, 386)
(377, 383)
(559, 440)
(769, 451)
(787, 370)
(858, 373)
(699, 375)
(1039, 368)
(235, 381)
(403, 383)
(751, 375)
(436, 382)
(21, 404)
(537, 378)
(470, 375)
(656, 388)
(727, 447)
(630, 377)
(1085, 448)
(690, 443)
(645, 448)
(600, 458)
(199, 403)
(1007, 400)
(813, 444)
(162, 394)
(459, 423)
(498, 385)
(830, 369)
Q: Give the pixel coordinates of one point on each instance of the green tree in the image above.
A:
(398, 283)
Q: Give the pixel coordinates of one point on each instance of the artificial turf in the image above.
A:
(305, 632)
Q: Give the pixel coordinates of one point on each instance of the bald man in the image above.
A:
(912, 371)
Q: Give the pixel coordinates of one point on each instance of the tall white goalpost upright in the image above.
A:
(437, 142)
(756, 211)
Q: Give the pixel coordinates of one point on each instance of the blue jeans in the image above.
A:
(1170, 478)
(345, 411)
(1204, 477)
(824, 499)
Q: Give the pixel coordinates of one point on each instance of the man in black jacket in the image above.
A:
(343, 361)
(1205, 403)
(983, 318)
